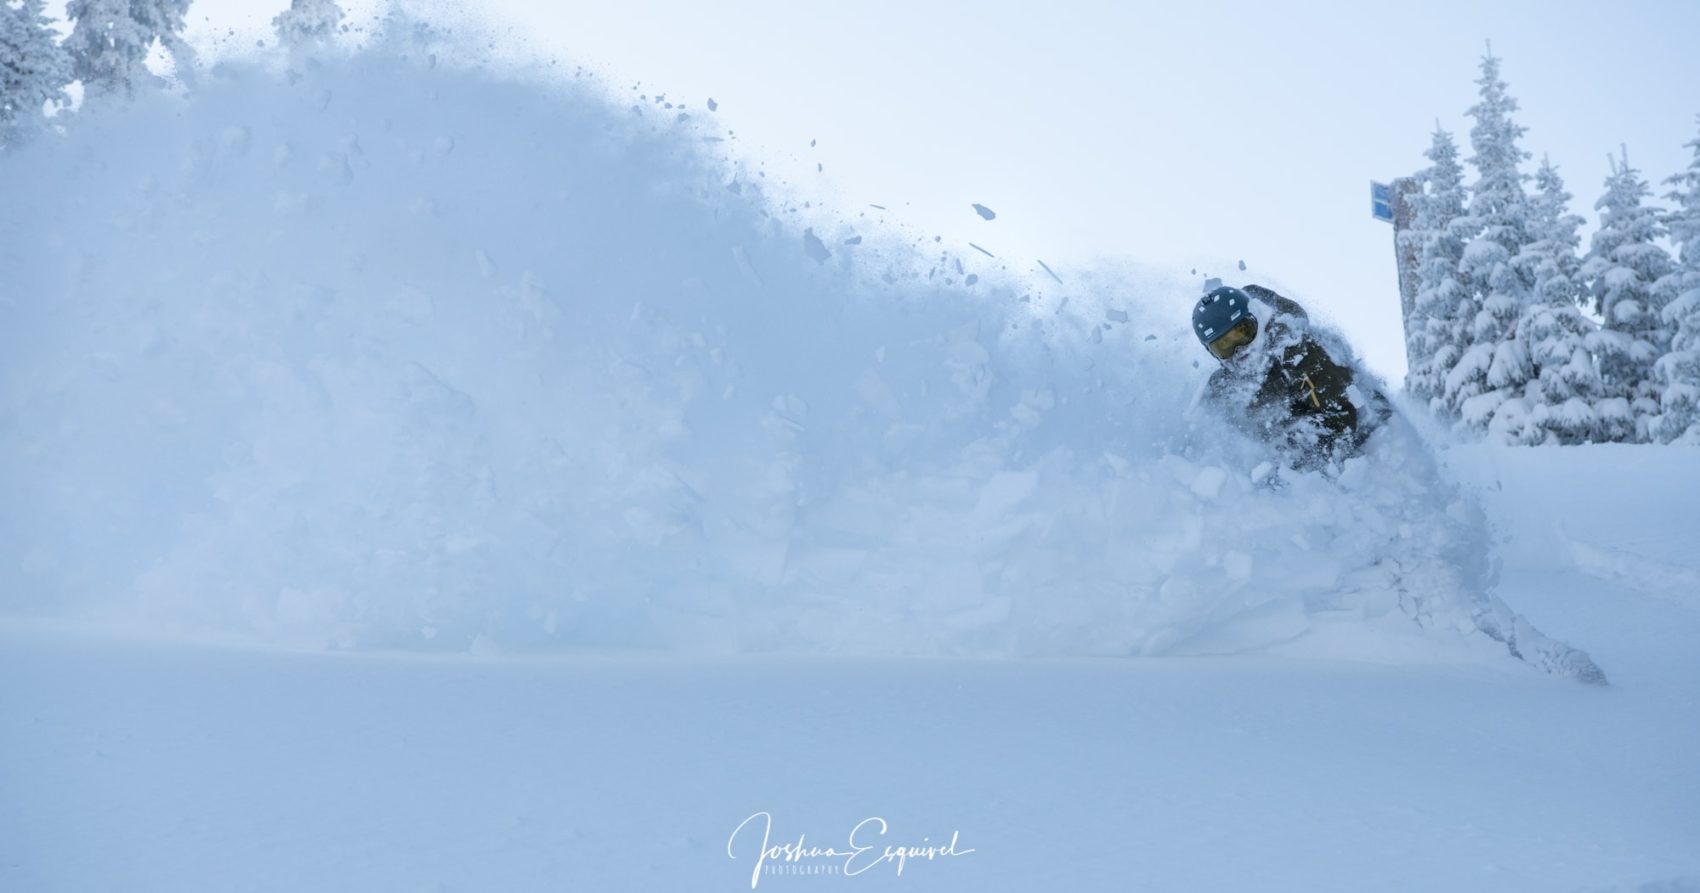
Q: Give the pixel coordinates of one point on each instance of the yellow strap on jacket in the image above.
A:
(1312, 385)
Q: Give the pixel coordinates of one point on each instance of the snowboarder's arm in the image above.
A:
(1281, 304)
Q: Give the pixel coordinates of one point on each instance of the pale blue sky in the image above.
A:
(1175, 135)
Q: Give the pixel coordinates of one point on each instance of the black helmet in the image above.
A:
(1222, 310)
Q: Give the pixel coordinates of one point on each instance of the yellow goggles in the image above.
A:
(1234, 338)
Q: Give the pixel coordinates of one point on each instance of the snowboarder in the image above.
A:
(1277, 382)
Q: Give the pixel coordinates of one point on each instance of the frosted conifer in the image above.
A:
(1553, 330)
(1494, 368)
(110, 43)
(1624, 269)
(307, 22)
(1677, 373)
(33, 69)
(1442, 311)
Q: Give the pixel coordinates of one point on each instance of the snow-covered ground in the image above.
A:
(135, 765)
(423, 478)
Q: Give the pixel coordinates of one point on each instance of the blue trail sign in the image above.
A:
(1381, 201)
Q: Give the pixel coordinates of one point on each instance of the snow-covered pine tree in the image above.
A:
(1553, 330)
(1549, 260)
(33, 69)
(307, 22)
(109, 44)
(1441, 315)
(165, 19)
(1677, 373)
(1484, 387)
(1624, 269)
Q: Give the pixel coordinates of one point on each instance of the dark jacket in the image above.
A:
(1291, 393)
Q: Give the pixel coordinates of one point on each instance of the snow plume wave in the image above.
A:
(389, 354)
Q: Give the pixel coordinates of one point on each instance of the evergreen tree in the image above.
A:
(1624, 269)
(164, 19)
(1683, 220)
(1677, 373)
(1442, 311)
(1553, 330)
(33, 69)
(1549, 259)
(110, 43)
(1494, 368)
(307, 22)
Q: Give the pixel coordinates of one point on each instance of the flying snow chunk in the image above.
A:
(1208, 483)
(745, 266)
(985, 212)
(712, 105)
(814, 247)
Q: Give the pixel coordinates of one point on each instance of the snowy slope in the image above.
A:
(1643, 511)
(158, 766)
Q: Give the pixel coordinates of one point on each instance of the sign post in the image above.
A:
(1391, 203)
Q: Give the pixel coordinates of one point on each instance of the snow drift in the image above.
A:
(385, 353)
